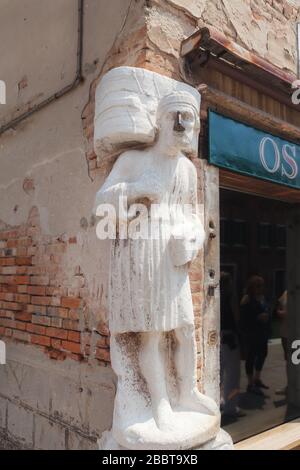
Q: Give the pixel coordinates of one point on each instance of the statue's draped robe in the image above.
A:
(149, 287)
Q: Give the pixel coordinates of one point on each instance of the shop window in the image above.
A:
(279, 282)
(239, 233)
(280, 237)
(265, 236)
(225, 232)
(233, 233)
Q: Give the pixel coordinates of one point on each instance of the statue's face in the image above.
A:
(179, 128)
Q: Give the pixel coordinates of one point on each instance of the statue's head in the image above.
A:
(178, 122)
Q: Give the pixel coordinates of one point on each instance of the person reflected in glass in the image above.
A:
(255, 324)
(230, 351)
(282, 315)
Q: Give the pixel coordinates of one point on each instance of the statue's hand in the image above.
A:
(148, 186)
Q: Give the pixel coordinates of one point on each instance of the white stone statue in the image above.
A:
(153, 347)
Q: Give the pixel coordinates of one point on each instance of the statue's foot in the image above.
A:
(163, 415)
(196, 401)
(186, 429)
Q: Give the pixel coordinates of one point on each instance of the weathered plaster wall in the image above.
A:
(265, 27)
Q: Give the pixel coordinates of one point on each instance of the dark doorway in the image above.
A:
(253, 238)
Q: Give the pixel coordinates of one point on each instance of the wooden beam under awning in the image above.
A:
(209, 46)
(258, 187)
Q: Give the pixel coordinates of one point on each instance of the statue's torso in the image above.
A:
(147, 291)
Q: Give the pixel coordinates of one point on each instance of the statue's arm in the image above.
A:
(129, 178)
(118, 183)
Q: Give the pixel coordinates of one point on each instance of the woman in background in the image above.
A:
(255, 328)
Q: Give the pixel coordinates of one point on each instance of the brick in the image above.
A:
(74, 336)
(9, 288)
(23, 316)
(56, 322)
(24, 241)
(52, 311)
(8, 332)
(70, 302)
(36, 309)
(22, 298)
(57, 333)
(40, 300)
(55, 343)
(71, 325)
(11, 306)
(7, 314)
(36, 290)
(37, 329)
(9, 270)
(7, 261)
(39, 320)
(20, 279)
(55, 301)
(57, 355)
(10, 252)
(22, 289)
(74, 314)
(11, 234)
(9, 297)
(21, 251)
(20, 325)
(23, 260)
(21, 270)
(63, 312)
(103, 355)
(50, 290)
(12, 243)
(41, 340)
(73, 347)
(39, 280)
(21, 336)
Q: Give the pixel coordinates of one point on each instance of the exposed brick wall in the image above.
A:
(37, 305)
